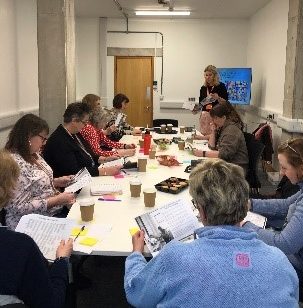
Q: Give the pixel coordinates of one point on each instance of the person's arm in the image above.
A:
(41, 286)
(290, 239)
(144, 283)
(109, 143)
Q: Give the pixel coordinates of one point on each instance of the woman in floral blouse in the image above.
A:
(36, 189)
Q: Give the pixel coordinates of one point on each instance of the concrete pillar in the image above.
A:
(293, 89)
(56, 58)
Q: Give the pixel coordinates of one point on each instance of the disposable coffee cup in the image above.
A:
(149, 197)
(181, 145)
(87, 209)
(169, 128)
(141, 142)
(163, 128)
(182, 129)
(142, 164)
(152, 154)
(135, 188)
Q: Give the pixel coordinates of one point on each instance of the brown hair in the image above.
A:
(18, 140)
(90, 100)
(9, 173)
(293, 151)
(212, 69)
(119, 99)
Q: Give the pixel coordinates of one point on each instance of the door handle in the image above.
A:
(147, 108)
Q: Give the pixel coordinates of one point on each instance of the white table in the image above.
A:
(120, 215)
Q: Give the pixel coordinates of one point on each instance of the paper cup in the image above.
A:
(141, 142)
(142, 164)
(87, 209)
(181, 145)
(169, 128)
(182, 129)
(152, 154)
(163, 128)
(135, 188)
(149, 197)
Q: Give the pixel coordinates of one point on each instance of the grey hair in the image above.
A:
(99, 115)
(220, 189)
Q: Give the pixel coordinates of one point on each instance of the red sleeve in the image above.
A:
(106, 141)
(90, 134)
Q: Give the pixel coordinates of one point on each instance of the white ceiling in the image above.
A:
(198, 8)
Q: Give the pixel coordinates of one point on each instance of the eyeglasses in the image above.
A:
(44, 139)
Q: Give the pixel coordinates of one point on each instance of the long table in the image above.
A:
(120, 215)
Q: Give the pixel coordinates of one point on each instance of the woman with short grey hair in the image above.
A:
(226, 266)
(223, 185)
(101, 145)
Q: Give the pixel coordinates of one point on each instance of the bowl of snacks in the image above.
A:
(172, 185)
(167, 160)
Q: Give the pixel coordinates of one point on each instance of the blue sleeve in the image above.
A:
(40, 286)
(144, 283)
(290, 239)
(274, 207)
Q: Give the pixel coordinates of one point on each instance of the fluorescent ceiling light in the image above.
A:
(162, 13)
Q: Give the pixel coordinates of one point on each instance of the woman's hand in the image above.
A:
(136, 131)
(138, 241)
(214, 96)
(130, 146)
(65, 248)
(110, 170)
(62, 181)
(126, 152)
(66, 198)
(104, 159)
(110, 129)
(198, 153)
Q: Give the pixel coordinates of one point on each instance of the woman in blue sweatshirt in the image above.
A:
(25, 274)
(227, 266)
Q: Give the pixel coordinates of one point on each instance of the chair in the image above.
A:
(2, 217)
(159, 122)
(254, 149)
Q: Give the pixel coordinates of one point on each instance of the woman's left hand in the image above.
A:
(130, 146)
(138, 241)
(214, 96)
(62, 181)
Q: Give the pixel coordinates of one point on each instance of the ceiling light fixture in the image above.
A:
(162, 13)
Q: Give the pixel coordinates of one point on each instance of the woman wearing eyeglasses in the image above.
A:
(290, 239)
(36, 189)
(226, 266)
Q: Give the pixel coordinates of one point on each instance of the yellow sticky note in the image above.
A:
(76, 230)
(89, 241)
(133, 230)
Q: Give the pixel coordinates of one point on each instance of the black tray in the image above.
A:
(170, 185)
(162, 140)
(158, 131)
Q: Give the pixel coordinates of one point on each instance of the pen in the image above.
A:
(103, 199)
(82, 228)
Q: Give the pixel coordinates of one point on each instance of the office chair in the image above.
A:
(159, 122)
(254, 149)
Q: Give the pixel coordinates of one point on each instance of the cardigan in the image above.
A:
(290, 239)
(26, 274)
(64, 154)
(95, 137)
(225, 267)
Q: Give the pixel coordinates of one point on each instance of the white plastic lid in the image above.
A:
(135, 181)
(149, 190)
(87, 202)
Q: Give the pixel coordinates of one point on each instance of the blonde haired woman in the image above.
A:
(25, 275)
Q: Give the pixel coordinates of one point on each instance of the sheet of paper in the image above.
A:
(189, 105)
(118, 119)
(106, 188)
(81, 180)
(174, 220)
(116, 162)
(46, 231)
(256, 219)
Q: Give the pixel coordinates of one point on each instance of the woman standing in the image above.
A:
(211, 93)
(36, 189)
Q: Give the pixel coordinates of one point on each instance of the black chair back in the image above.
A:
(2, 217)
(159, 122)
(254, 149)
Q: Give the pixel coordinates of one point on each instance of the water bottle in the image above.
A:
(147, 142)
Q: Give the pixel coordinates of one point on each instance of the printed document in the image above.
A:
(80, 180)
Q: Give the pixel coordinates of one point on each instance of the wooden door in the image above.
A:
(134, 78)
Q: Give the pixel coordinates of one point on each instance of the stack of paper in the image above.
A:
(102, 189)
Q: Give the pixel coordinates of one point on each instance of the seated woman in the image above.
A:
(67, 152)
(36, 189)
(226, 140)
(25, 274)
(94, 135)
(120, 102)
(226, 266)
(290, 239)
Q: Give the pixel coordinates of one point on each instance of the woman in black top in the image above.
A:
(211, 93)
